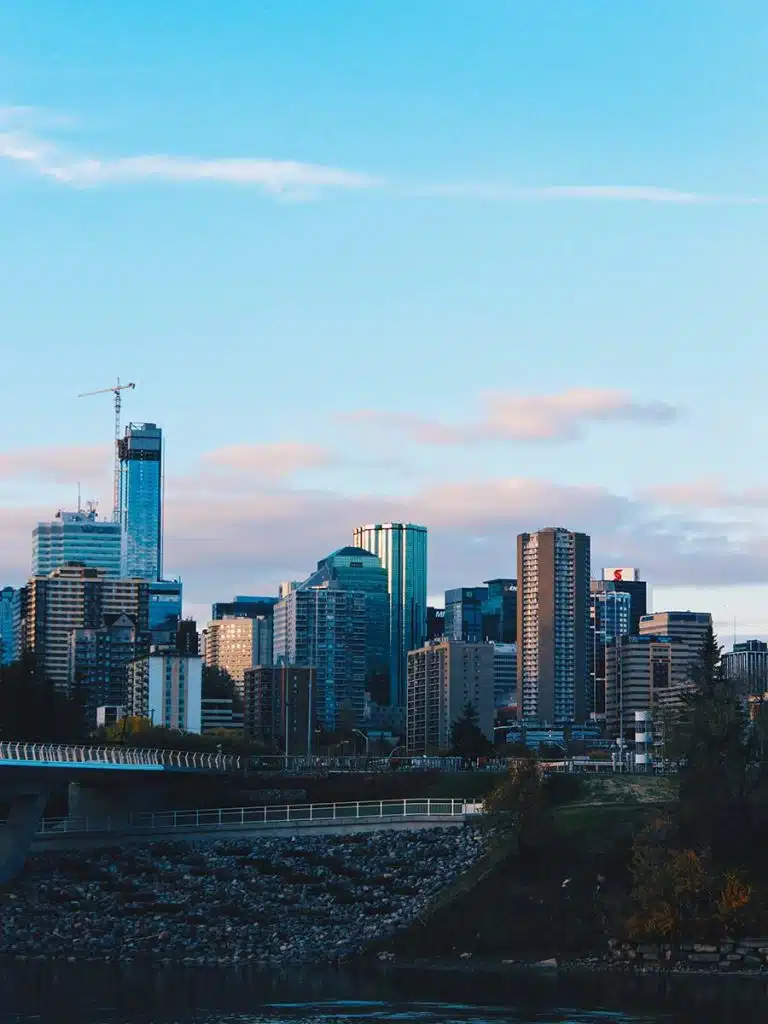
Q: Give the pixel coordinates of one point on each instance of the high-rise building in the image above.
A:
(244, 607)
(76, 597)
(98, 662)
(500, 611)
(443, 677)
(553, 571)
(628, 581)
(187, 637)
(76, 537)
(689, 627)
(746, 666)
(281, 707)
(504, 675)
(643, 673)
(402, 548)
(166, 688)
(165, 603)
(12, 605)
(610, 613)
(464, 614)
(235, 644)
(337, 621)
(435, 623)
(140, 455)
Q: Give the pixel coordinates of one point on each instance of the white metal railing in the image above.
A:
(258, 817)
(128, 757)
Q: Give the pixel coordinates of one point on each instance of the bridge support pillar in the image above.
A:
(98, 805)
(23, 821)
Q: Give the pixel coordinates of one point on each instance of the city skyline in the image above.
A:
(483, 295)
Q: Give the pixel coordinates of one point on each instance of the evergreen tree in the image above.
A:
(716, 746)
(32, 709)
(218, 683)
(467, 739)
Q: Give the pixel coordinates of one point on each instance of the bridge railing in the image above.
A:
(318, 764)
(259, 817)
(129, 757)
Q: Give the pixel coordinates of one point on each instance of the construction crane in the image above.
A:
(116, 390)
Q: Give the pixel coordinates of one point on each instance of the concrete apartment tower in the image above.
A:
(553, 574)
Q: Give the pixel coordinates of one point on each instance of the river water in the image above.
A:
(95, 994)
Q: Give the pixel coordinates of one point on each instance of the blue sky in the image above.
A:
(488, 266)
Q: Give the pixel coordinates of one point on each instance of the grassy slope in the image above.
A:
(514, 904)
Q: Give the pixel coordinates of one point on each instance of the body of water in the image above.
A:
(133, 994)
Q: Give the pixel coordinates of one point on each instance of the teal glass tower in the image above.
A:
(140, 454)
(337, 622)
(402, 548)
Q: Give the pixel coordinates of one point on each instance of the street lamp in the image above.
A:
(365, 738)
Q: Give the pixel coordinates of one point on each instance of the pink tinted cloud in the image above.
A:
(707, 493)
(511, 417)
(271, 459)
(61, 465)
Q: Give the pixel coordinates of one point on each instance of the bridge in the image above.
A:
(29, 772)
(228, 822)
(69, 758)
(265, 819)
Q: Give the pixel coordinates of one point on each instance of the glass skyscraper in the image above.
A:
(11, 611)
(141, 501)
(610, 618)
(337, 622)
(402, 548)
(76, 537)
(464, 614)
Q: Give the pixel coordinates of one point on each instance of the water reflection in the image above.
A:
(137, 994)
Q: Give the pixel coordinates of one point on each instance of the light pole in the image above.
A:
(365, 738)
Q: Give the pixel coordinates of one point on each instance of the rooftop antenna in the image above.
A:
(115, 390)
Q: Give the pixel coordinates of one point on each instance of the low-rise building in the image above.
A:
(280, 707)
(99, 659)
(166, 688)
(746, 666)
(221, 713)
(643, 673)
(443, 677)
(504, 675)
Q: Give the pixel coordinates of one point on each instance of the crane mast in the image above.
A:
(116, 390)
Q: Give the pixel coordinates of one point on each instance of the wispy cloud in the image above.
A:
(708, 493)
(21, 143)
(501, 192)
(511, 417)
(269, 460)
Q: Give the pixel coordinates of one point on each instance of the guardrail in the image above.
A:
(259, 817)
(317, 764)
(128, 757)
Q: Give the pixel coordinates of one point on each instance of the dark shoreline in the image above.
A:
(565, 968)
(153, 993)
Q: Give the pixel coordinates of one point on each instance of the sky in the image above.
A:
(488, 267)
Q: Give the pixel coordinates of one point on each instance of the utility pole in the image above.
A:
(116, 390)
